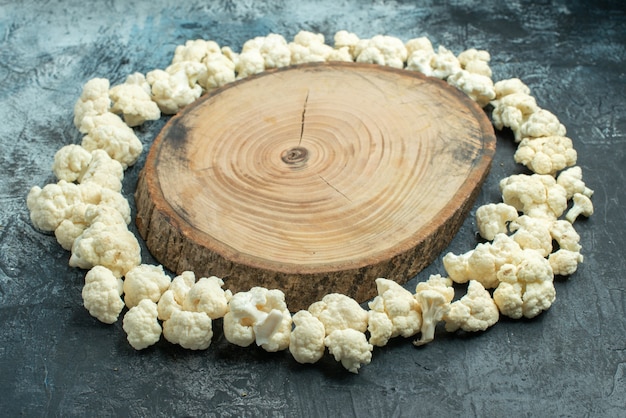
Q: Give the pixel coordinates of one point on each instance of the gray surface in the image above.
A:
(57, 360)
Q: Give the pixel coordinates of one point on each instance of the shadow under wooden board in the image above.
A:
(314, 179)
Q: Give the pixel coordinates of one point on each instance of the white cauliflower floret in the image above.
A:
(108, 132)
(420, 53)
(102, 294)
(494, 218)
(145, 282)
(309, 47)
(173, 298)
(478, 87)
(141, 325)
(259, 315)
(220, 71)
(565, 235)
(546, 155)
(103, 171)
(582, 206)
(341, 54)
(510, 86)
(51, 205)
(565, 262)
(533, 233)
(173, 90)
(572, 181)
(190, 330)
(526, 288)
(434, 297)
(306, 342)
(484, 262)
(249, 62)
(542, 123)
(273, 48)
(345, 39)
(112, 246)
(511, 111)
(70, 162)
(535, 195)
(350, 347)
(94, 100)
(206, 295)
(337, 311)
(132, 100)
(383, 50)
(195, 50)
(444, 63)
(399, 306)
(475, 311)
(476, 62)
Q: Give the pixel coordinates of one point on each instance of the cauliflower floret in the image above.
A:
(444, 63)
(478, 87)
(565, 262)
(572, 181)
(533, 233)
(565, 235)
(51, 205)
(306, 342)
(494, 218)
(190, 330)
(145, 282)
(220, 71)
(273, 48)
(383, 50)
(141, 325)
(582, 206)
(510, 86)
(345, 39)
(112, 246)
(132, 100)
(341, 54)
(102, 294)
(546, 155)
(94, 100)
(309, 47)
(476, 62)
(511, 111)
(542, 123)
(110, 133)
(535, 195)
(207, 295)
(526, 288)
(195, 50)
(399, 305)
(476, 311)
(249, 62)
(337, 311)
(420, 53)
(350, 347)
(434, 297)
(104, 171)
(259, 315)
(173, 298)
(173, 90)
(70, 162)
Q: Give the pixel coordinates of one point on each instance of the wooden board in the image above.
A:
(314, 179)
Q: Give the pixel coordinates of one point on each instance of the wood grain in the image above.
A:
(314, 179)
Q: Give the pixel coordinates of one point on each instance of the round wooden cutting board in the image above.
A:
(314, 179)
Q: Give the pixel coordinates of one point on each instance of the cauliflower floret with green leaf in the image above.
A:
(102, 294)
(536, 195)
(337, 311)
(190, 330)
(132, 99)
(494, 218)
(526, 288)
(546, 155)
(306, 341)
(382, 50)
(434, 297)
(109, 133)
(142, 325)
(572, 181)
(145, 281)
(399, 306)
(475, 311)
(350, 347)
(94, 100)
(542, 123)
(476, 62)
(258, 315)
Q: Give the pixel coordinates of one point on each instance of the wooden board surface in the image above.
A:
(314, 179)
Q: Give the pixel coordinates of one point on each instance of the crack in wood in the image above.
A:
(306, 100)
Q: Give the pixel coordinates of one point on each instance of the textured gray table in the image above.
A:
(57, 360)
